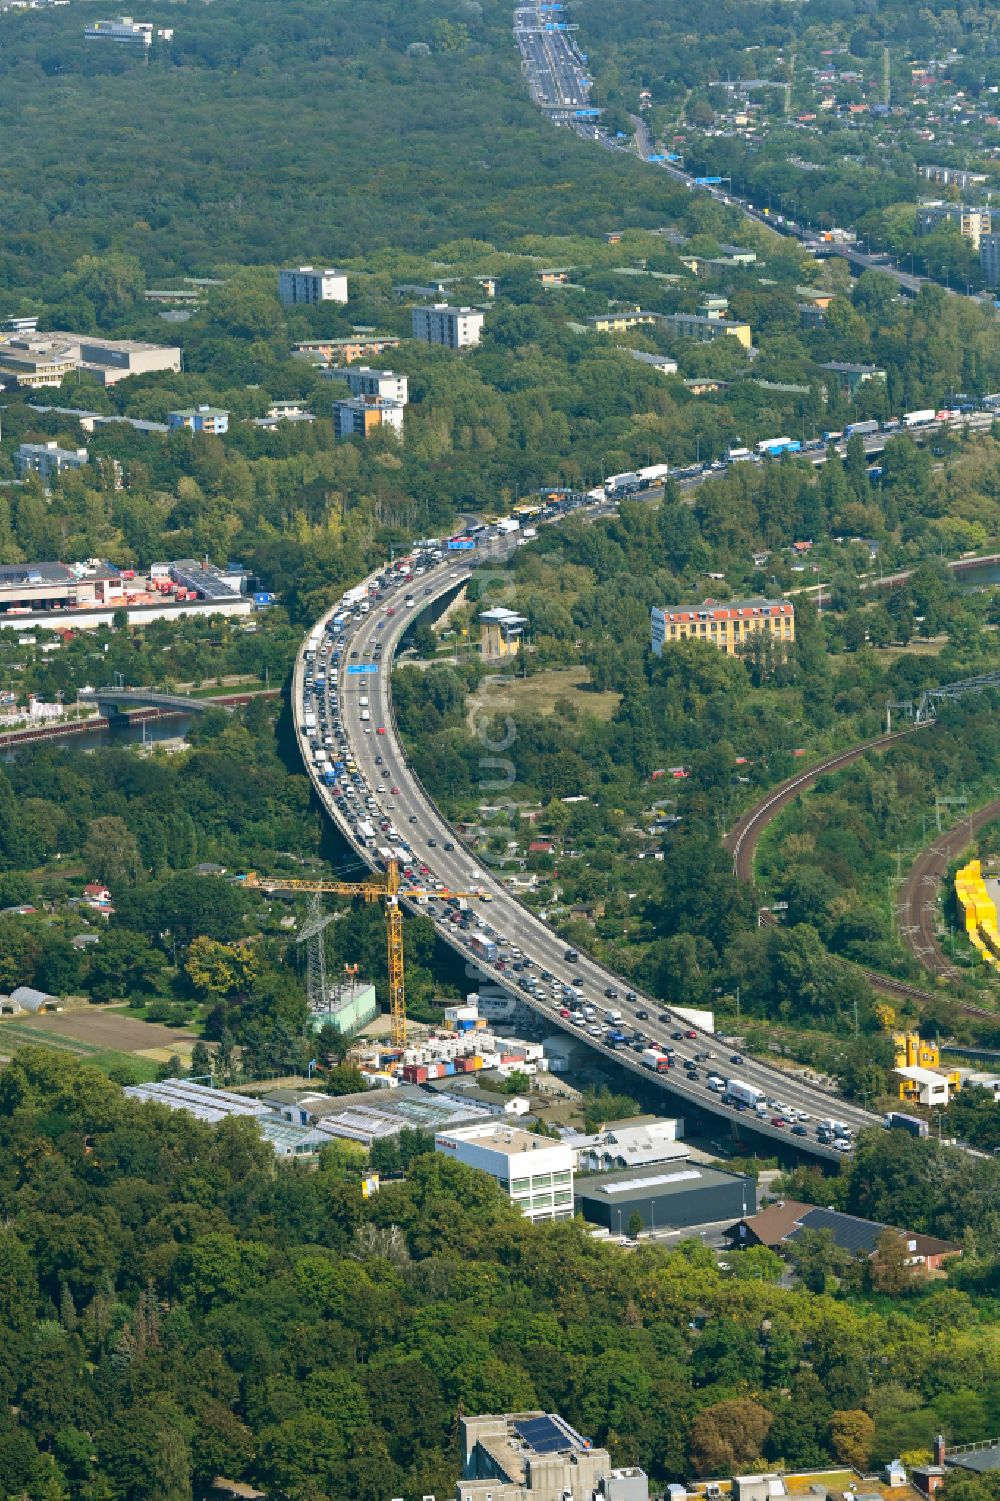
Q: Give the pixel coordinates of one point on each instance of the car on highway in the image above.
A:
(799, 1131)
(412, 818)
(778, 1122)
(737, 1058)
(691, 1034)
(381, 729)
(677, 1036)
(395, 793)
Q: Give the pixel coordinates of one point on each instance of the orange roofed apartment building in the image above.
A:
(727, 626)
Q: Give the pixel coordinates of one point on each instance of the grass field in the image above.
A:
(14, 1035)
(107, 1038)
(538, 694)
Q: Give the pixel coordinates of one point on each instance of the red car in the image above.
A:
(380, 730)
(564, 1011)
(776, 1120)
(395, 791)
(692, 1034)
(390, 610)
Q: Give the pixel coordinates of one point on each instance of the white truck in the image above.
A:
(654, 1059)
(743, 1093)
(611, 1016)
(920, 418)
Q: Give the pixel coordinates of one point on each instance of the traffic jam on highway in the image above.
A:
(349, 743)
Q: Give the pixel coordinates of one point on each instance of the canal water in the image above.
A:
(979, 576)
(169, 727)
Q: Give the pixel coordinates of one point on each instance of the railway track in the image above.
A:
(745, 835)
(917, 924)
(919, 903)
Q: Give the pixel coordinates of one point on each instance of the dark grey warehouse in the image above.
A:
(667, 1196)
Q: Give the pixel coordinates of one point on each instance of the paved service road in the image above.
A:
(435, 847)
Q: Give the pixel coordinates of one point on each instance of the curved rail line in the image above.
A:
(925, 875)
(917, 924)
(745, 835)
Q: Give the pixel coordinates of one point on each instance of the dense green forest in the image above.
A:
(256, 136)
(176, 1307)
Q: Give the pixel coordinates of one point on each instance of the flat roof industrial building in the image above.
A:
(374, 1115)
(666, 1195)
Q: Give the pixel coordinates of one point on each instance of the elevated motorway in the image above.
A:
(436, 847)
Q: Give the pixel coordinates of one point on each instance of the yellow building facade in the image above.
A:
(980, 912)
(913, 1051)
(500, 632)
(727, 626)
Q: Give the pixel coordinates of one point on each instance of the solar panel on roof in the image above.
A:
(543, 1435)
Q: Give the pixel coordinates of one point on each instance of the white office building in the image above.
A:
(364, 381)
(534, 1171)
(305, 284)
(47, 460)
(453, 327)
(360, 416)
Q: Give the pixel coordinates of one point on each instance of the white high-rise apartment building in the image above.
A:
(305, 284)
(454, 327)
(364, 381)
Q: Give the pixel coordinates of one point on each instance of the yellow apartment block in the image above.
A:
(727, 627)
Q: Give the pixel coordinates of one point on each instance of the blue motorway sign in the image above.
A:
(362, 667)
(461, 544)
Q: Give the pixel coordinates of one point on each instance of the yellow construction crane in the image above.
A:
(372, 891)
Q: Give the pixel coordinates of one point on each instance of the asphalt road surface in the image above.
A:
(435, 846)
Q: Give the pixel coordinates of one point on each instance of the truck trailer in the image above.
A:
(744, 1093)
(895, 1120)
(483, 948)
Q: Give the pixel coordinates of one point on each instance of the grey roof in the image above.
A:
(199, 1100)
(849, 1232)
(652, 359)
(664, 1178)
(980, 1461)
